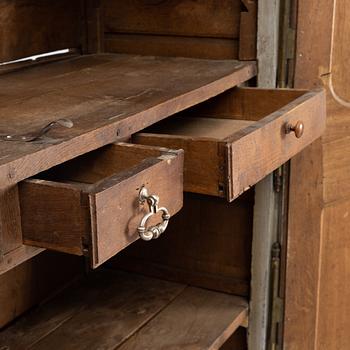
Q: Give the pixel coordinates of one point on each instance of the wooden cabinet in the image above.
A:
(137, 103)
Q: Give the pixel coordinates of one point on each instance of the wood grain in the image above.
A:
(93, 209)
(112, 310)
(180, 18)
(86, 93)
(208, 245)
(241, 152)
(33, 281)
(175, 46)
(185, 324)
(102, 310)
(29, 27)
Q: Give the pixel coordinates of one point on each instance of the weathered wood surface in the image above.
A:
(208, 244)
(106, 96)
(181, 18)
(29, 27)
(320, 320)
(198, 319)
(33, 281)
(262, 147)
(176, 28)
(113, 310)
(225, 155)
(92, 202)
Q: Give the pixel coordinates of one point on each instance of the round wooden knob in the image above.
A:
(298, 129)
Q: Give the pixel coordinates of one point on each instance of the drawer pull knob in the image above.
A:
(298, 129)
(155, 231)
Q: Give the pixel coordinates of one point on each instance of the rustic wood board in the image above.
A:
(74, 319)
(29, 27)
(113, 309)
(174, 17)
(196, 319)
(107, 97)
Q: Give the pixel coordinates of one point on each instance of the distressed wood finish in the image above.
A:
(225, 156)
(211, 318)
(108, 97)
(208, 245)
(92, 203)
(29, 27)
(177, 28)
(33, 281)
(138, 309)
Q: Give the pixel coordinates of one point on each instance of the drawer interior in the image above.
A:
(96, 166)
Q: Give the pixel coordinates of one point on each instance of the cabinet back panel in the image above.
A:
(31, 27)
(173, 28)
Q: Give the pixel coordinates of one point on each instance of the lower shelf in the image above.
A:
(117, 310)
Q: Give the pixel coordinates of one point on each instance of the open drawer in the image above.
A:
(234, 140)
(96, 204)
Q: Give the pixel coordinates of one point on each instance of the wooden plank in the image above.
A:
(336, 164)
(33, 281)
(180, 18)
(29, 27)
(248, 31)
(334, 309)
(18, 256)
(176, 46)
(197, 318)
(10, 220)
(312, 62)
(101, 312)
(100, 112)
(208, 244)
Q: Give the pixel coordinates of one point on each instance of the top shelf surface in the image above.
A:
(106, 96)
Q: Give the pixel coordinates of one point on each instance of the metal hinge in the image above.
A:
(274, 342)
(278, 180)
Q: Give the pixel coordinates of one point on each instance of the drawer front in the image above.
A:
(91, 205)
(262, 147)
(116, 211)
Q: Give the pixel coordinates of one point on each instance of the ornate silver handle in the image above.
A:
(155, 231)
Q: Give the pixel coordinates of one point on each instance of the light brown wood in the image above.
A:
(118, 310)
(242, 152)
(306, 189)
(108, 97)
(93, 208)
(29, 27)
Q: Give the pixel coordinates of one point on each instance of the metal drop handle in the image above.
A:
(155, 231)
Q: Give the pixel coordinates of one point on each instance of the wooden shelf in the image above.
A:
(108, 97)
(117, 310)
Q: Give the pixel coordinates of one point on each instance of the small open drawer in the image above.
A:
(91, 205)
(234, 140)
